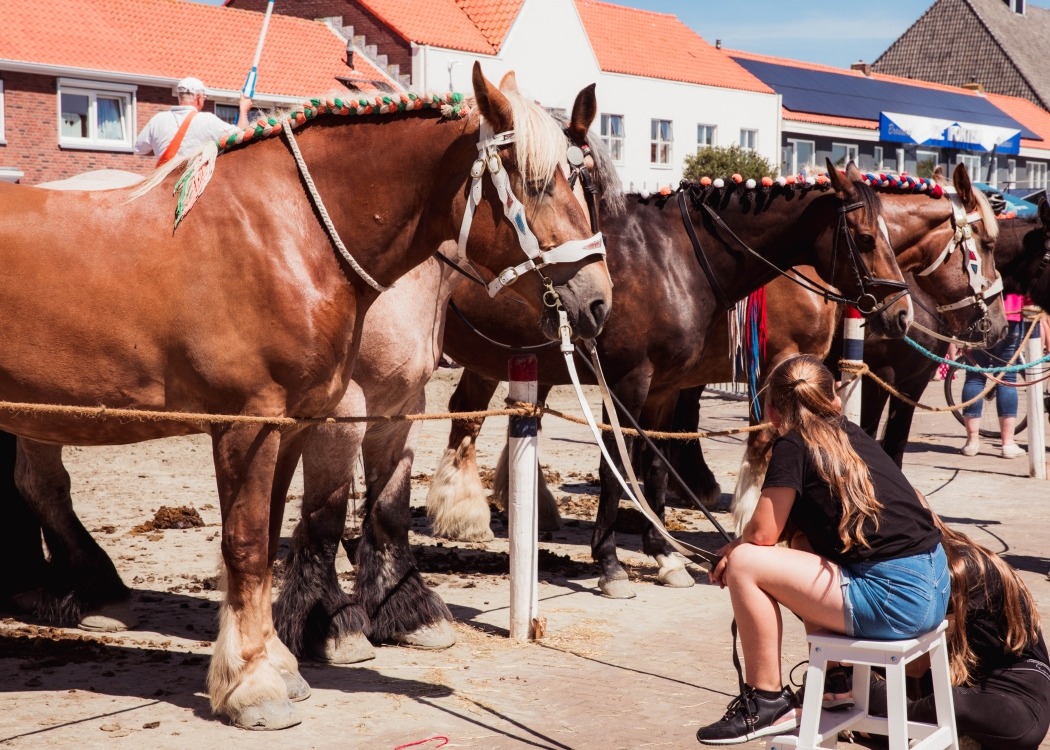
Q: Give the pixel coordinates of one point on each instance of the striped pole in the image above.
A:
(522, 503)
(852, 353)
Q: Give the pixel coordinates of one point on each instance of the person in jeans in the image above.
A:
(872, 567)
(998, 658)
(1005, 395)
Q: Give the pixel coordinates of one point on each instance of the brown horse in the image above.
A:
(247, 309)
(656, 347)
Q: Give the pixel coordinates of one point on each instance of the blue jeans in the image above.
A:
(896, 599)
(1005, 396)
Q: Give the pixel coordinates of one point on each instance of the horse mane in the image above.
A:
(606, 178)
(988, 217)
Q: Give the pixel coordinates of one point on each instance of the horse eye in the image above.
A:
(866, 243)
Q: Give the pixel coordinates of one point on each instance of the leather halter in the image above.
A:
(489, 161)
(983, 289)
(866, 302)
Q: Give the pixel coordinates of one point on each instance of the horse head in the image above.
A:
(522, 150)
(863, 264)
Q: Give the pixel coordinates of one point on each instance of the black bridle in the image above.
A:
(866, 302)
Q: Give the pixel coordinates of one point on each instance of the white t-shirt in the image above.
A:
(162, 127)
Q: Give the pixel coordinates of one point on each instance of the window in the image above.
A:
(3, 135)
(705, 136)
(748, 139)
(900, 160)
(973, 164)
(227, 113)
(843, 153)
(1011, 173)
(877, 159)
(660, 134)
(95, 115)
(925, 163)
(612, 134)
(1037, 175)
(799, 155)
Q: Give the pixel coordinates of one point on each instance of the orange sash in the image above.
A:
(173, 147)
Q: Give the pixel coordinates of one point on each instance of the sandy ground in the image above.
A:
(640, 673)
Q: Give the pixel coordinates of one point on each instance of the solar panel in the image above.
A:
(841, 95)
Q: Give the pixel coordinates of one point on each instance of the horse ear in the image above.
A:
(509, 82)
(938, 175)
(1044, 213)
(852, 173)
(492, 104)
(839, 181)
(583, 111)
(961, 180)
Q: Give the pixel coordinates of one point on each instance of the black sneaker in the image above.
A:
(838, 689)
(750, 715)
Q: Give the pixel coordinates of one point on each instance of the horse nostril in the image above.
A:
(904, 319)
(599, 314)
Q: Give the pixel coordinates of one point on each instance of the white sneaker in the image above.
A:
(1013, 451)
(970, 449)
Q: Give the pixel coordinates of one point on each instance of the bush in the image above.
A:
(723, 161)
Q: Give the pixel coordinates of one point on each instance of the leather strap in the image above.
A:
(173, 147)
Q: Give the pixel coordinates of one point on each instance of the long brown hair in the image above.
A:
(972, 565)
(802, 390)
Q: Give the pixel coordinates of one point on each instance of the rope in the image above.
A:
(517, 408)
(323, 212)
(973, 368)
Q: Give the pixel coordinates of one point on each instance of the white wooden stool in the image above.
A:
(820, 729)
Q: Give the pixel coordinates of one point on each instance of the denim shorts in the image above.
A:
(896, 599)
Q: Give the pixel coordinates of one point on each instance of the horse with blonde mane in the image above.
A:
(254, 306)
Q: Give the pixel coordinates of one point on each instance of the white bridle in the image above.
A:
(489, 161)
(983, 289)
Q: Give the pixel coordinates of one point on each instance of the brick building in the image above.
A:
(80, 78)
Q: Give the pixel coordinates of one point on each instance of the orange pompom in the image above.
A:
(705, 181)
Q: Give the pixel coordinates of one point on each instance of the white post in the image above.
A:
(1036, 412)
(853, 353)
(522, 510)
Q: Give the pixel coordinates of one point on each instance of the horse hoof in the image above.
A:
(676, 578)
(298, 688)
(266, 716)
(27, 602)
(552, 523)
(110, 618)
(616, 588)
(432, 637)
(347, 649)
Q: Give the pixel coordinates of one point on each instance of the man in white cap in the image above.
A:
(184, 128)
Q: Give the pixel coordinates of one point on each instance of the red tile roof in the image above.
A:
(1029, 114)
(468, 25)
(173, 38)
(658, 45)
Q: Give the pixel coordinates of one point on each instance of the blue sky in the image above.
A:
(833, 32)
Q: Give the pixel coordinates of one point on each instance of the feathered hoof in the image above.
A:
(432, 637)
(298, 688)
(110, 618)
(266, 716)
(616, 588)
(676, 578)
(347, 649)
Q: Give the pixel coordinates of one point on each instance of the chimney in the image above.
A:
(350, 53)
(973, 85)
(862, 66)
(718, 44)
(1016, 6)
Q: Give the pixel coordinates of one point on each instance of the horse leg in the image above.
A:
(82, 585)
(245, 680)
(672, 568)
(750, 477)
(21, 546)
(549, 515)
(314, 617)
(613, 580)
(457, 502)
(401, 607)
(687, 457)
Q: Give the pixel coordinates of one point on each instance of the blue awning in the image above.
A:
(842, 95)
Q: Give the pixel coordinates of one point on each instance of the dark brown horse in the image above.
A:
(247, 309)
(656, 347)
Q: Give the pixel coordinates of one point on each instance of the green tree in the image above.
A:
(724, 161)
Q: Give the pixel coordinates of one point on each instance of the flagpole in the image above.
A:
(249, 84)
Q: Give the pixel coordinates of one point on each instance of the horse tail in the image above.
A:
(158, 176)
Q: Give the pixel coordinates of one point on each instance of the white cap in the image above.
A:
(190, 85)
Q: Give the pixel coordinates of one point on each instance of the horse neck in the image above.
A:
(390, 213)
(913, 222)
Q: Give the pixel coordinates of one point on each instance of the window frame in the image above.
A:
(794, 168)
(1011, 173)
(658, 144)
(712, 132)
(850, 148)
(93, 90)
(968, 160)
(3, 127)
(1042, 181)
(934, 154)
(753, 133)
(609, 139)
(878, 157)
(901, 160)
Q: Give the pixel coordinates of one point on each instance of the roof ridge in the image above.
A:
(644, 11)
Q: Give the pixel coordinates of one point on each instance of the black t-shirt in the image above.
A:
(905, 527)
(986, 627)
